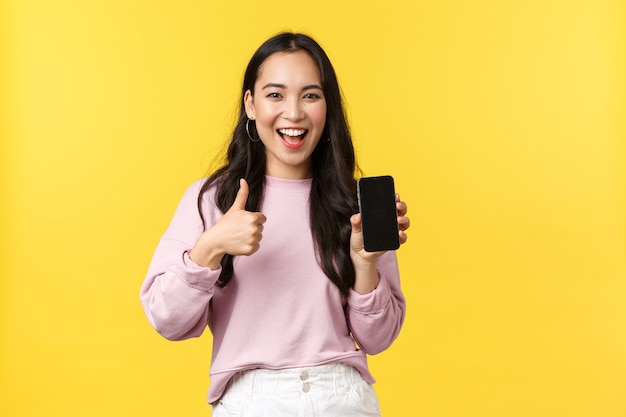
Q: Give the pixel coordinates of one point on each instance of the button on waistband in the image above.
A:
(306, 387)
(304, 376)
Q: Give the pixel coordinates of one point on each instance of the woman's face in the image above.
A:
(289, 108)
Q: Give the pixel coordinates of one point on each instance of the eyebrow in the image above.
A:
(283, 86)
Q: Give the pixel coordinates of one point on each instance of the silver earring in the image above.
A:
(248, 132)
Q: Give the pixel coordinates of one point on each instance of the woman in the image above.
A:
(268, 252)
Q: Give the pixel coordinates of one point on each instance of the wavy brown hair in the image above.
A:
(333, 189)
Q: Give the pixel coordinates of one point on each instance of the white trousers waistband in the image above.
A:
(324, 391)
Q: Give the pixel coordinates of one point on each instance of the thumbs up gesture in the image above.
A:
(238, 232)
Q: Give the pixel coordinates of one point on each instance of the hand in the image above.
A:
(238, 232)
(366, 274)
(356, 239)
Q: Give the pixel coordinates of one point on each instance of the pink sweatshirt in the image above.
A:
(279, 310)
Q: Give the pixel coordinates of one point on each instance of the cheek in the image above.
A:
(319, 116)
(264, 115)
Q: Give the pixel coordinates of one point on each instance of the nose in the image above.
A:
(293, 110)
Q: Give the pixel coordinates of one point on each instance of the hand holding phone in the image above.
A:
(379, 216)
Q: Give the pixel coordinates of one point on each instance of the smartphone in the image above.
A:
(377, 204)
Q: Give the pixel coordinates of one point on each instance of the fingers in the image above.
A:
(403, 222)
(401, 206)
(242, 196)
(403, 237)
(240, 231)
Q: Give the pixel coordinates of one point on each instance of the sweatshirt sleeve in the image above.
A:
(176, 292)
(375, 319)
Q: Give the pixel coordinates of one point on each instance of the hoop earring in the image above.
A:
(248, 132)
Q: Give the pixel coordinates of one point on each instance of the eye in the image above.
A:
(311, 96)
(273, 95)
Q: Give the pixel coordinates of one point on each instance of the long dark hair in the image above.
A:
(333, 189)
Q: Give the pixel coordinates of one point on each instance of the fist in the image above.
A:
(238, 232)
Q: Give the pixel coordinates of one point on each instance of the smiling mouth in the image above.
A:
(292, 137)
(292, 133)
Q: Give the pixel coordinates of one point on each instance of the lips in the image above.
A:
(292, 138)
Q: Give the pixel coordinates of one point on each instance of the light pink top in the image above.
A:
(279, 310)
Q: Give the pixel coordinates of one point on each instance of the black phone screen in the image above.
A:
(377, 204)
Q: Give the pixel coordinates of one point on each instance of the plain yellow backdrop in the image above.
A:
(503, 123)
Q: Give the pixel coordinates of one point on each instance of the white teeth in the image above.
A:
(292, 132)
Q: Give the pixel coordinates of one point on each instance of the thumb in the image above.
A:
(241, 197)
(355, 221)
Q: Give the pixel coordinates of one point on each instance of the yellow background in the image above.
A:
(503, 123)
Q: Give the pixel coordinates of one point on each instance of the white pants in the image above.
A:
(334, 390)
